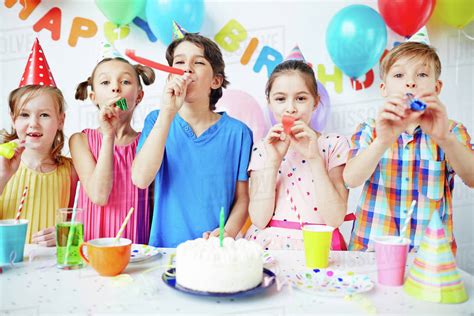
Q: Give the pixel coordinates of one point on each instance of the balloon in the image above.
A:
(320, 116)
(408, 16)
(244, 107)
(457, 13)
(356, 38)
(120, 12)
(160, 14)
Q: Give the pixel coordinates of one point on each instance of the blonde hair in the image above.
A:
(20, 97)
(411, 50)
(144, 72)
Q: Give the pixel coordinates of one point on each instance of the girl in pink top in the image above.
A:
(103, 157)
(295, 172)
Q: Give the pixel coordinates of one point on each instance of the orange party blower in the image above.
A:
(288, 122)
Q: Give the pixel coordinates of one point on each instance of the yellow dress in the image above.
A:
(46, 193)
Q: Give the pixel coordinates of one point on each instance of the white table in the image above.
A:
(36, 286)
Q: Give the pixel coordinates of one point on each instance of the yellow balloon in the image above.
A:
(457, 13)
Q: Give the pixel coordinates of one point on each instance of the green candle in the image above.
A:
(221, 225)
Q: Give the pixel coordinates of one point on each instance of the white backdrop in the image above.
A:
(278, 25)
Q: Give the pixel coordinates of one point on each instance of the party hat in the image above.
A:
(434, 276)
(178, 31)
(107, 50)
(37, 70)
(295, 54)
(420, 37)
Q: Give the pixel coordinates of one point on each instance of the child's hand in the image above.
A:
(393, 118)
(175, 92)
(305, 140)
(214, 233)
(276, 145)
(45, 237)
(8, 167)
(109, 117)
(434, 120)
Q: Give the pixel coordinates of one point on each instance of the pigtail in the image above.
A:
(146, 73)
(81, 90)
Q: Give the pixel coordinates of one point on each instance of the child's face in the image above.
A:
(115, 78)
(410, 75)
(290, 95)
(191, 59)
(38, 122)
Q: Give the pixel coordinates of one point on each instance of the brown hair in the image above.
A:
(290, 66)
(20, 97)
(144, 72)
(213, 55)
(411, 50)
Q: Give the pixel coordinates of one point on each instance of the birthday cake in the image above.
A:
(202, 265)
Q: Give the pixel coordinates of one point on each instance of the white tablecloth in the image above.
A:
(36, 286)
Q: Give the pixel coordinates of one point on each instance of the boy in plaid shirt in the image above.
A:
(405, 155)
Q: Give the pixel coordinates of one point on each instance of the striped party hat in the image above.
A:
(295, 54)
(420, 37)
(107, 50)
(434, 276)
(178, 31)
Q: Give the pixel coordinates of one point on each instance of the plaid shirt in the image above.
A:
(413, 168)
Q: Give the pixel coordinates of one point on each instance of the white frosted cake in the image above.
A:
(202, 265)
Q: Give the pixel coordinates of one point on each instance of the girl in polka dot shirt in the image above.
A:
(295, 172)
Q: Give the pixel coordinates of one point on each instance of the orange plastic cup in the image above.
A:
(108, 256)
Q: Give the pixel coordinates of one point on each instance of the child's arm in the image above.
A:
(262, 182)
(392, 119)
(148, 161)
(238, 214)
(435, 123)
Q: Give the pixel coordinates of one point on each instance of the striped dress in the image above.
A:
(105, 221)
(47, 192)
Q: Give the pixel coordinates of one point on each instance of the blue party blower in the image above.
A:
(415, 104)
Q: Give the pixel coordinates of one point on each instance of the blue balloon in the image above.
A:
(160, 15)
(356, 39)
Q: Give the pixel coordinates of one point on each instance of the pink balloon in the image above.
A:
(244, 107)
(320, 116)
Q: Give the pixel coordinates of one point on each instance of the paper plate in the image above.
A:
(268, 280)
(329, 282)
(142, 252)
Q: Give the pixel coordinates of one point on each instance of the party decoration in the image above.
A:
(421, 36)
(50, 21)
(122, 104)
(405, 17)
(356, 38)
(113, 33)
(434, 276)
(153, 64)
(37, 70)
(120, 12)
(244, 107)
(414, 103)
(81, 27)
(143, 24)
(456, 13)
(178, 31)
(107, 50)
(28, 6)
(161, 14)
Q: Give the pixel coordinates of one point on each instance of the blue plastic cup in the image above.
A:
(12, 240)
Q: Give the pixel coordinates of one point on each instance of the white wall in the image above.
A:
(279, 25)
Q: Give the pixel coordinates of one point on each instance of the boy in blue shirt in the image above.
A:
(197, 157)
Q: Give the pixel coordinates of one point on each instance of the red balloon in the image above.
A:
(406, 17)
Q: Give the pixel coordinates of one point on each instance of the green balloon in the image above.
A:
(120, 12)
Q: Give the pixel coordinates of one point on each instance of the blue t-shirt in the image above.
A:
(197, 177)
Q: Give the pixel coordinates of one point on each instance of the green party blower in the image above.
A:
(221, 226)
(7, 150)
(122, 104)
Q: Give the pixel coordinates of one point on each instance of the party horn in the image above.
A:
(122, 104)
(153, 64)
(415, 104)
(7, 150)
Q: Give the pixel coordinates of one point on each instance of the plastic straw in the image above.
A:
(22, 201)
(407, 219)
(125, 222)
(72, 227)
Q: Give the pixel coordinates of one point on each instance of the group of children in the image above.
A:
(201, 160)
